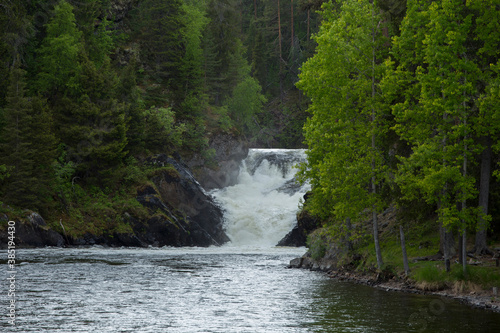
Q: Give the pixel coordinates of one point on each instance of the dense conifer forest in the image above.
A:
(90, 88)
(397, 102)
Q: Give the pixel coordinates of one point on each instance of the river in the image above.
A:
(214, 290)
(243, 286)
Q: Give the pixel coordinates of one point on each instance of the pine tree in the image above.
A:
(162, 49)
(58, 55)
(95, 127)
(223, 49)
(16, 150)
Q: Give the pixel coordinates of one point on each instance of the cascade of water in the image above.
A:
(261, 208)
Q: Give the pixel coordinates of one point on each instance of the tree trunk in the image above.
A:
(280, 55)
(308, 24)
(374, 186)
(447, 245)
(279, 31)
(403, 248)
(348, 234)
(292, 23)
(255, 9)
(464, 251)
(480, 246)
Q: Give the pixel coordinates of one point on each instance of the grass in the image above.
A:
(422, 241)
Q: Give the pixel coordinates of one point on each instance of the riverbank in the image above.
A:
(389, 279)
(480, 299)
(427, 276)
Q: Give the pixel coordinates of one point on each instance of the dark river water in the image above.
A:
(227, 289)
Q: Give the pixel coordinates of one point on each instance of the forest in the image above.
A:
(396, 101)
(404, 111)
(91, 88)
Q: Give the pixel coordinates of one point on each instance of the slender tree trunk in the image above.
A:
(403, 248)
(308, 24)
(464, 251)
(281, 53)
(279, 30)
(374, 186)
(447, 242)
(480, 246)
(444, 232)
(291, 8)
(255, 9)
(460, 247)
(463, 254)
(348, 234)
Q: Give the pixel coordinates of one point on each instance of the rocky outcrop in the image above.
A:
(30, 231)
(306, 223)
(229, 152)
(180, 213)
(185, 195)
(325, 261)
(120, 8)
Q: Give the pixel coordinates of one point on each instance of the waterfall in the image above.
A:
(261, 208)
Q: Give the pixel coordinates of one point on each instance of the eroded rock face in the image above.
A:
(229, 152)
(185, 195)
(306, 223)
(120, 8)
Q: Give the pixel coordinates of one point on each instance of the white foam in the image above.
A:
(257, 212)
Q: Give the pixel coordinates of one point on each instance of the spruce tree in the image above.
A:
(162, 49)
(16, 150)
(58, 54)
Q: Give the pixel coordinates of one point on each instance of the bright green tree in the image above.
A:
(487, 124)
(58, 55)
(345, 164)
(438, 79)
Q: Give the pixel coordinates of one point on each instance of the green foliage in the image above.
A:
(342, 158)
(162, 45)
(245, 104)
(58, 65)
(26, 150)
(316, 245)
(438, 80)
(162, 134)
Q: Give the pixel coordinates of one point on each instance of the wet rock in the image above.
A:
(306, 223)
(229, 152)
(203, 219)
(31, 231)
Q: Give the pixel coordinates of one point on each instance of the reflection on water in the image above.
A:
(214, 290)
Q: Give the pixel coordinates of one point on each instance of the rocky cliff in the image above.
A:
(180, 213)
(229, 152)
